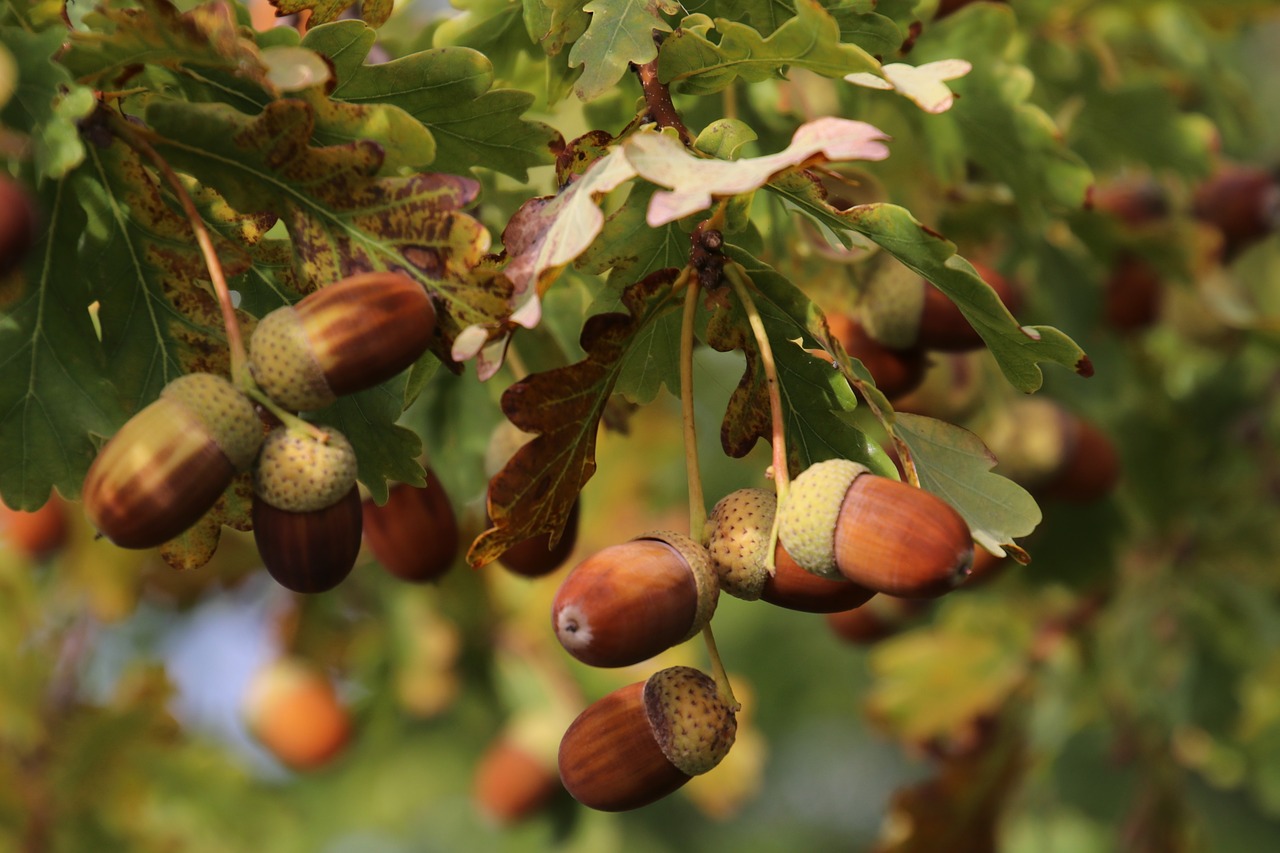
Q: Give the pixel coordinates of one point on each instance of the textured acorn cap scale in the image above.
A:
(284, 364)
(807, 520)
(738, 541)
(692, 723)
(299, 473)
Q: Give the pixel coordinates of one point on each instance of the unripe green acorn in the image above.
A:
(737, 541)
(307, 519)
(414, 535)
(841, 521)
(342, 338)
(170, 462)
(643, 741)
(628, 602)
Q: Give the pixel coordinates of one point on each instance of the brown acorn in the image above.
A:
(414, 535)
(1243, 202)
(36, 534)
(511, 784)
(904, 312)
(534, 557)
(307, 518)
(342, 338)
(881, 617)
(171, 461)
(1051, 451)
(839, 520)
(628, 602)
(896, 372)
(17, 225)
(643, 741)
(737, 538)
(1131, 293)
(986, 567)
(1135, 201)
(294, 711)
(952, 389)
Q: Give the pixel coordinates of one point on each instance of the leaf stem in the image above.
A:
(697, 502)
(291, 422)
(717, 669)
(133, 137)
(657, 99)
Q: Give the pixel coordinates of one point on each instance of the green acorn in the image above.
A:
(307, 518)
(170, 462)
(342, 338)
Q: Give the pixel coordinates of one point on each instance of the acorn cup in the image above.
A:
(628, 602)
(643, 741)
(342, 338)
(841, 521)
(1243, 202)
(414, 535)
(170, 462)
(904, 312)
(307, 517)
(737, 541)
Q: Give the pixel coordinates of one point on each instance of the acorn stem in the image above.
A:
(718, 671)
(697, 502)
(291, 422)
(133, 137)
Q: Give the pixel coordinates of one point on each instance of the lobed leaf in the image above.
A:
(385, 450)
(46, 104)
(374, 12)
(533, 494)
(620, 33)
(696, 62)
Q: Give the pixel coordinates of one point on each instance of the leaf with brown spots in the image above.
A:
(374, 12)
(341, 218)
(195, 546)
(535, 491)
(815, 397)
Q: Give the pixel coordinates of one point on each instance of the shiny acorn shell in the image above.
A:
(414, 535)
(309, 552)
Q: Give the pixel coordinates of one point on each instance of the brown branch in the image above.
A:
(657, 98)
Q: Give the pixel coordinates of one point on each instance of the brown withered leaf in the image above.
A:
(535, 491)
(374, 12)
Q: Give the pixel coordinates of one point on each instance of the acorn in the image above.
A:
(643, 741)
(307, 517)
(294, 711)
(1243, 202)
(36, 534)
(511, 783)
(1131, 294)
(170, 462)
(882, 616)
(1051, 451)
(952, 389)
(17, 225)
(903, 311)
(628, 602)
(946, 7)
(414, 535)
(737, 542)
(1135, 201)
(839, 520)
(896, 372)
(535, 556)
(342, 338)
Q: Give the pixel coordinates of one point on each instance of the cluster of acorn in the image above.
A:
(843, 535)
(169, 464)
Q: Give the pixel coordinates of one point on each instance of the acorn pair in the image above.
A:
(169, 464)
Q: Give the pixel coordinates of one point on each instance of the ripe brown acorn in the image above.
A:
(512, 784)
(896, 372)
(1243, 202)
(294, 711)
(643, 741)
(36, 534)
(17, 225)
(839, 520)
(628, 602)
(414, 535)
(307, 518)
(737, 538)
(1131, 293)
(880, 617)
(534, 557)
(170, 462)
(1051, 451)
(342, 338)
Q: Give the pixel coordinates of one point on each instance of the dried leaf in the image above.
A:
(923, 85)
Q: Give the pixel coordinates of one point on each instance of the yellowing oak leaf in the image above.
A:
(695, 182)
(925, 85)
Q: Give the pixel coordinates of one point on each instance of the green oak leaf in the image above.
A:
(57, 401)
(815, 397)
(1017, 349)
(118, 38)
(620, 32)
(340, 217)
(954, 464)
(373, 12)
(447, 89)
(45, 103)
(866, 25)
(534, 492)
(695, 62)
(764, 16)
(555, 23)
(385, 450)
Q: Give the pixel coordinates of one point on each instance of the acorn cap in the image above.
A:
(738, 540)
(704, 577)
(807, 520)
(284, 364)
(1028, 439)
(226, 414)
(298, 473)
(891, 305)
(691, 722)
